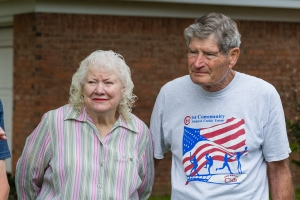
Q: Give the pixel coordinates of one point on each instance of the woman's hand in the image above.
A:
(2, 134)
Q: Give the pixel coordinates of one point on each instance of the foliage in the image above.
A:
(297, 194)
(12, 192)
(293, 128)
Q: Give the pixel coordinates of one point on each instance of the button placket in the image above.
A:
(101, 170)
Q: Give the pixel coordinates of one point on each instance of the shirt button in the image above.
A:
(99, 186)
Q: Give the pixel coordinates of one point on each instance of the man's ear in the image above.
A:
(233, 56)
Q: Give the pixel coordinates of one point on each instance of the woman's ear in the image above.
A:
(233, 56)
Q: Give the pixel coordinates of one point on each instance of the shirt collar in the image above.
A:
(75, 115)
(130, 124)
(83, 117)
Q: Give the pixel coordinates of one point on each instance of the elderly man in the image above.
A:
(235, 118)
(4, 153)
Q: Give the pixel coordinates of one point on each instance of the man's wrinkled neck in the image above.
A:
(223, 83)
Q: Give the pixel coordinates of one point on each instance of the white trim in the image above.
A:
(158, 8)
(169, 10)
(6, 21)
(248, 3)
(6, 37)
(9, 8)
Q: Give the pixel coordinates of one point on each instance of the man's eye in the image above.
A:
(210, 55)
(192, 53)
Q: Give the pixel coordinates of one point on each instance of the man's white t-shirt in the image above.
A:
(220, 141)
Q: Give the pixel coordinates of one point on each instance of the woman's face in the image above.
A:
(102, 92)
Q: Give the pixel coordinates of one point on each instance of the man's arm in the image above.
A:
(280, 180)
(2, 134)
(4, 187)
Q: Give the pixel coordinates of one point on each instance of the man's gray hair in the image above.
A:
(223, 29)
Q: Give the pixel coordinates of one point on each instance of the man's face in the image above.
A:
(207, 66)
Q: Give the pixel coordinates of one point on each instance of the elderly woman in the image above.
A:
(93, 147)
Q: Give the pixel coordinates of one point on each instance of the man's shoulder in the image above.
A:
(182, 79)
(254, 81)
(178, 82)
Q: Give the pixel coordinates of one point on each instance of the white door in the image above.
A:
(6, 83)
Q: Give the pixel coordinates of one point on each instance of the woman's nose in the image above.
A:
(100, 88)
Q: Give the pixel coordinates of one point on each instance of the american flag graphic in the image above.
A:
(216, 141)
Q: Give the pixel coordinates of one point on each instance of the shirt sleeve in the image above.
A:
(33, 162)
(4, 151)
(156, 127)
(276, 144)
(1, 116)
(146, 167)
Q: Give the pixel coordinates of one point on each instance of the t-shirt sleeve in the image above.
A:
(156, 128)
(4, 151)
(276, 144)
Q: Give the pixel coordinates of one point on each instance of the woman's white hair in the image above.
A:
(104, 61)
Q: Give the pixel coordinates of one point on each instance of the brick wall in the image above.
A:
(49, 47)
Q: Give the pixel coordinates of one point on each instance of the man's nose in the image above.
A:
(199, 60)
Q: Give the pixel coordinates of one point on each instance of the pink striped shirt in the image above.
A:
(65, 158)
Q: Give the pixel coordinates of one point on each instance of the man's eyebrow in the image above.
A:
(212, 52)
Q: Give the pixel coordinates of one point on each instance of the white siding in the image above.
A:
(6, 83)
(261, 10)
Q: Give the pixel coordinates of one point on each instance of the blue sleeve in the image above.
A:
(4, 151)
(1, 116)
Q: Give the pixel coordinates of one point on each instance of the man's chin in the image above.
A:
(199, 81)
